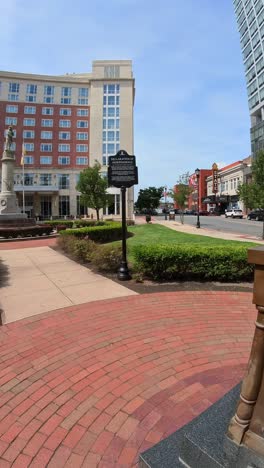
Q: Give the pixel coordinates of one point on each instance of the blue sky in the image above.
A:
(191, 104)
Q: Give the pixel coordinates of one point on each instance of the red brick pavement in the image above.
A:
(94, 385)
(28, 243)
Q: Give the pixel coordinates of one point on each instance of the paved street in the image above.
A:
(219, 223)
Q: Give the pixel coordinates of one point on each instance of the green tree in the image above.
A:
(252, 194)
(149, 198)
(180, 197)
(93, 188)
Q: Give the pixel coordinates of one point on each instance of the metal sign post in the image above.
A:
(123, 173)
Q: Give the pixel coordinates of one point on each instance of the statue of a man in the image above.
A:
(9, 139)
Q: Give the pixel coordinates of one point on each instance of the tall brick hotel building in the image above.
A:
(67, 123)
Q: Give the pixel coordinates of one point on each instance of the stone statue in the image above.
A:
(9, 139)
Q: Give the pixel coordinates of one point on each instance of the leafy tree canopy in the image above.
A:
(181, 196)
(149, 198)
(93, 188)
(252, 194)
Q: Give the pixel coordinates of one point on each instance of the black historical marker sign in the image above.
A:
(122, 170)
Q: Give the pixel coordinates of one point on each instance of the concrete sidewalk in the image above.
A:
(186, 228)
(40, 280)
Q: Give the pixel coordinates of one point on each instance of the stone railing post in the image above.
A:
(247, 426)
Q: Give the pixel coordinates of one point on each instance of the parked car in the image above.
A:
(189, 212)
(234, 213)
(258, 215)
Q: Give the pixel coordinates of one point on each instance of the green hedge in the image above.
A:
(61, 222)
(102, 234)
(25, 231)
(193, 262)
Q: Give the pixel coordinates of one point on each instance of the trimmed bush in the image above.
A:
(80, 249)
(107, 257)
(25, 231)
(193, 262)
(59, 222)
(101, 234)
(88, 223)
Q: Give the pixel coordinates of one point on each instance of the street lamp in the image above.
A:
(197, 172)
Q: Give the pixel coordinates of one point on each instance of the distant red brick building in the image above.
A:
(193, 203)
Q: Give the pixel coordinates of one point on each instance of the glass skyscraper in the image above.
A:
(250, 20)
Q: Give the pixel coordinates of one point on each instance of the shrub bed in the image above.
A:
(102, 234)
(104, 257)
(25, 231)
(193, 262)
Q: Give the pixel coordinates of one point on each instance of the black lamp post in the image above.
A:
(197, 172)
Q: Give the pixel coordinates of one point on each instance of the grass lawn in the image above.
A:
(147, 234)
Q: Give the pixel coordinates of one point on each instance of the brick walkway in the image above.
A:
(93, 385)
(28, 244)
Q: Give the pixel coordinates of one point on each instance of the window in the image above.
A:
(82, 112)
(64, 135)
(47, 110)
(81, 210)
(111, 89)
(111, 100)
(49, 90)
(29, 179)
(110, 136)
(111, 148)
(81, 136)
(111, 123)
(29, 146)
(82, 123)
(63, 160)
(65, 123)
(28, 159)
(31, 89)
(83, 92)
(12, 97)
(46, 147)
(48, 99)
(64, 148)
(30, 98)
(46, 135)
(45, 179)
(65, 95)
(29, 122)
(29, 110)
(111, 112)
(83, 96)
(65, 111)
(64, 181)
(28, 134)
(11, 109)
(81, 148)
(64, 205)
(83, 101)
(65, 92)
(81, 161)
(11, 121)
(231, 184)
(45, 160)
(235, 183)
(14, 87)
(47, 123)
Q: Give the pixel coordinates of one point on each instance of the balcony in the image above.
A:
(36, 188)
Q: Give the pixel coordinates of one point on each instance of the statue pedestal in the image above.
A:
(10, 212)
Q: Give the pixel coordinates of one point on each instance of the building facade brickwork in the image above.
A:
(65, 124)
